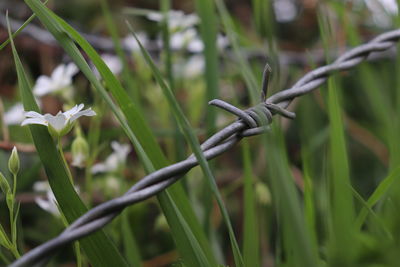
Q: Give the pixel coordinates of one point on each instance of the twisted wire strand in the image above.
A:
(250, 122)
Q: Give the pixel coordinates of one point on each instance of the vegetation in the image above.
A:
(320, 190)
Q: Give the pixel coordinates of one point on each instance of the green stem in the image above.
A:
(60, 150)
(77, 248)
(15, 252)
(93, 140)
(14, 246)
(14, 185)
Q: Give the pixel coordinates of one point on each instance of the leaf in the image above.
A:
(195, 146)
(342, 242)
(98, 248)
(5, 187)
(134, 126)
(4, 241)
(379, 193)
(298, 247)
(251, 242)
(131, 248)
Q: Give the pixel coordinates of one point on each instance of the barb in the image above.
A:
(252, 121)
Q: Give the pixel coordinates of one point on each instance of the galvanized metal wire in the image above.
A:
(252, 121)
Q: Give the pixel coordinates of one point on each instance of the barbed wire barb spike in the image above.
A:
(265, 81)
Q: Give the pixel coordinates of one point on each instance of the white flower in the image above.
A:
(131, 44)
(60, 124)
(49, 203)
(15, 115)
(390, 6)
(114, 160)
(285, 10)
(191, 68)
(177, 20)
(60, 80)
(222, 41)
(188, 39)
(382, 11)
(112, 62)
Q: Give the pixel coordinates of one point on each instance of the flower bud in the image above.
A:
(13, 162)
(263, 194)
(80, 152)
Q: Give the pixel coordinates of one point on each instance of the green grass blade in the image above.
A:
(298, 248)
(193, 254)
(191, 242)
(245, 69)
(136, 128)
(195, 146)
(310, 132)
(15, 34)
(342, 205)
(342, 243)
(208, 30)
(251, 243)
(113, 30)
(99, 249)
(380, 192)
(179, 144)
(376, 219)
(131, 250)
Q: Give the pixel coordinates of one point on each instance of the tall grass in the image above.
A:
(326, 207)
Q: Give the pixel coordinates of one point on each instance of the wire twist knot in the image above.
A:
(256, 118)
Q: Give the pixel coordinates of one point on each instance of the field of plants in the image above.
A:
(159, 133)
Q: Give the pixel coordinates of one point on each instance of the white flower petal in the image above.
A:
(196, 46)
(155, 16)
(43, 86)
(79, 160)
(58, 73)
(73, 111)
(87, 112)
(120, 150)
(131, 44)
(58, 122)
(33, 114)
(41, 121)
(15, 115)
(41, 186)
(112, 162)
(113, 63)
(71, 70)
(60, 79)
(99, 168)
(49, 204)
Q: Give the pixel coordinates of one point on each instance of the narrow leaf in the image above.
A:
(99, 249)
(195, 146)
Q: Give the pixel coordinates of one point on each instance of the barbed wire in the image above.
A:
(252, 121)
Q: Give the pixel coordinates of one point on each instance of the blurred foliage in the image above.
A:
(314, 174)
